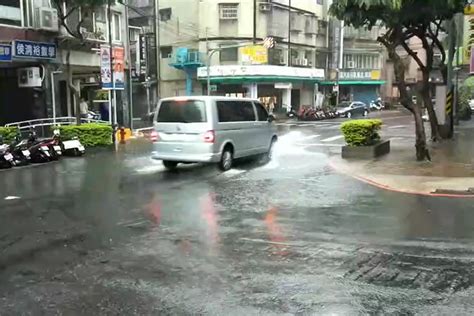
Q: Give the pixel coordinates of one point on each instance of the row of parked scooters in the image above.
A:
(315, 114)
(22, 152)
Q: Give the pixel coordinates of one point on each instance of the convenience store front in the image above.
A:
(275, 86)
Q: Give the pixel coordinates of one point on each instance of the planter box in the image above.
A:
(366, 152)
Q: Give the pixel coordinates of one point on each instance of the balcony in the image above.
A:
(186, 58)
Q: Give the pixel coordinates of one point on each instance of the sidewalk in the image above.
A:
(450, 173)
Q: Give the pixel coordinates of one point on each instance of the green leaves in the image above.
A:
(90, 135)
(361, 132)
(8, 134)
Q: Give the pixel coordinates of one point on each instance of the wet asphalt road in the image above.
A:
(113, 233)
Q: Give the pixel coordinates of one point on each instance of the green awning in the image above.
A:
(355, 82)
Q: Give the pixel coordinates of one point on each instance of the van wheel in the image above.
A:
(227, 159)
(170, 165)
(269, 155)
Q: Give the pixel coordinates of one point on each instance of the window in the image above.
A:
(166, 51)
(165, 14)
(229, 54)
(116, 27)
(185, 111)
(10, 12)
(261, 112)
(228, 11)
(235, 111)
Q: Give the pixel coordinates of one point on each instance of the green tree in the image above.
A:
(403, 20)
(84, 10)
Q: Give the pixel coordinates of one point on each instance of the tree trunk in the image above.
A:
(75, 93)
(399, 70)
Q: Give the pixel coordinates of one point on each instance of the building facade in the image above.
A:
(288, 73)
(34, 77)
(362, 76)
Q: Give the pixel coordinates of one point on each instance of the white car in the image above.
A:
(471, 104)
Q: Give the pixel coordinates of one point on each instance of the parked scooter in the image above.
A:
(71, 147)
(19, 149)
(55, 150)
(40, 152)
(6, 158)
(376, 105)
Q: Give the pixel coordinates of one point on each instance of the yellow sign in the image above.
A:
(255, 54)
(468, 40)
(469, 9)
(375, 75)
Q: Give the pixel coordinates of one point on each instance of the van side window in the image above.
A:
(261, 112)
(235, 111)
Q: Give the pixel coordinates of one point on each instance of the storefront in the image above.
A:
(354, 85)
(25, 67)
(276, 86)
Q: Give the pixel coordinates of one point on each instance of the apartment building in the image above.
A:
(362, 75)
(189, 29)
(33, 53)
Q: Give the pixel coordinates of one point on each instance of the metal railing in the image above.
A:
(42, 127)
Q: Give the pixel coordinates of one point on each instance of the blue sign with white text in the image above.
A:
(29, 49)
(5, 52)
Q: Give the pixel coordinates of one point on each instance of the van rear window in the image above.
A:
(187, 111)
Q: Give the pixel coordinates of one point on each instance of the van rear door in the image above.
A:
(182, 120)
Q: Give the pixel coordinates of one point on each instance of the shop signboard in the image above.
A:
(254, 54)
(230, 71)
(5, 52)
(34, 50)
(468, 40)
(105, 71)
(283, 85)
(364, 75)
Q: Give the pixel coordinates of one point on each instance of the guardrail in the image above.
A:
(42, 126)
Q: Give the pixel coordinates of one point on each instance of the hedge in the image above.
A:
(90, 135)
(361, 132)
(8, 133)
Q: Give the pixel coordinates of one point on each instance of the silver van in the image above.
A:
(212, 130)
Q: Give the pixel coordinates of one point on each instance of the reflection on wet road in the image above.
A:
(116, 234)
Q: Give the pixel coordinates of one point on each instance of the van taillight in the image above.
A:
(154, 137)
(209, 137)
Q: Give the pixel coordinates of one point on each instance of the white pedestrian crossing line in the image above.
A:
(331, 139)
(312, 136)
(396, 126)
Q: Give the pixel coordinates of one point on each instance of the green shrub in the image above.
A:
(8, 133)
(90, 135)
(361, 132)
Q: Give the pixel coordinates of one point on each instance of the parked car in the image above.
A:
(471, 104)
(350, 109)
(211, 130)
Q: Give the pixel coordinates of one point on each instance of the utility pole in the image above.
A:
(254, 22)
(156, 26)
(289, 33)
(112, 93)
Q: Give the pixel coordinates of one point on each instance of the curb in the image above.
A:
(381, 186)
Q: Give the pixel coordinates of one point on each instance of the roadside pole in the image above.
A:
(449, 85)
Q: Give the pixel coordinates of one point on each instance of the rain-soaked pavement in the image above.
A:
(112, 233)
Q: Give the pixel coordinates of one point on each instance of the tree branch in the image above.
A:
(413, 54)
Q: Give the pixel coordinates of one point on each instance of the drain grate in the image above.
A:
(441, 275)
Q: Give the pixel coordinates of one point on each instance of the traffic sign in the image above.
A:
(268, 42)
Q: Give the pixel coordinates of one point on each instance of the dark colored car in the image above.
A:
(350, 109)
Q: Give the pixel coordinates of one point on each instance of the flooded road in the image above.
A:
(113, 233)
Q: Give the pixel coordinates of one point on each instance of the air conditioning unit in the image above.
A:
(351, 64)
(29, 77)
(46, 19)
(304, 62)
(282, 60)
(265, 6)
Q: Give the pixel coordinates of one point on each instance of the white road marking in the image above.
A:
(396, 126)
(331, 139)
(12, 197)
(312, 136)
